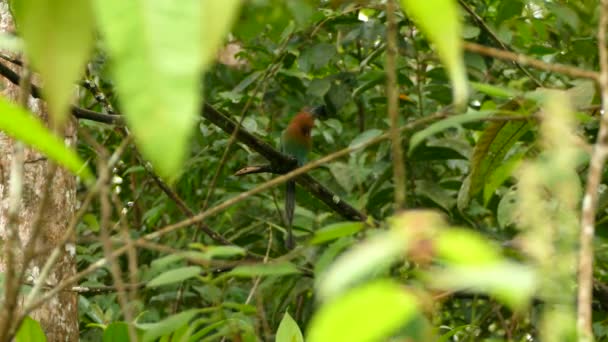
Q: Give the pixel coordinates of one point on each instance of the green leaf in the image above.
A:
(452, 121)
(30, 331)
(116, 332)
(490, 150)
(166, 326)
(363, 260)
(157, 51)
(443, 28)
(270, 269)
(335, 231)
(58, 37)
(501, 174)
(495, 91)
(217, 252)
(288, 330)
(509, 282)
(217, 18)
(175, 276)
(23, 126)
(371, 312)
(465, 247)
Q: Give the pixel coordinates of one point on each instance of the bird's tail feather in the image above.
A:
(290, 202)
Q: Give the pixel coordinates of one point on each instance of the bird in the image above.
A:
(296, 142)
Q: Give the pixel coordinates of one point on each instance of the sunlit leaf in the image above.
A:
(465, 247)
(363, 260)
(25, 127)
(335, 231)
(157, 50)
(57, 50)
(288, 330)
(370, 312)
(269, 269)
(509, 282)
(30, 331)
(175, 276)
(440, 22)
(217, 18)
(116, 332)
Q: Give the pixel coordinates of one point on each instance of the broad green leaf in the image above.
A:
(371, 312)
(58, 37)
(168, 325)
(335, 231)
(439, 20)
(288, 330)
(363, 260)
(495, 91)
(217, 252)
(217, 18)
(490, 150)
(116, 332)
(23, 126)
(511, 283)
(452, 121)
(175, 276)
(501, 174)
(156, 48)
(465, 247)
(270, 269)
(30, 331)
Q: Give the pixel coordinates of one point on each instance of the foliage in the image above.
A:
(495, 182)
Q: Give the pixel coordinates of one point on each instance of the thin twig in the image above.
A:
(12, 243)
(494, 36)
(598, 158)
(392, 91)
(527, 60)
(283, 178)
(106, 213)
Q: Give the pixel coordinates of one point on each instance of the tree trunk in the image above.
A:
(59, 316)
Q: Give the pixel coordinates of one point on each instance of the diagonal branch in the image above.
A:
(214, 116)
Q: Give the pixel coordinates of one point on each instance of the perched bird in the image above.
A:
(297, 143)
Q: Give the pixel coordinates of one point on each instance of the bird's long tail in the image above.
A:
(290, 202)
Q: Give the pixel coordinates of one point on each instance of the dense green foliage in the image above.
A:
(508, 170)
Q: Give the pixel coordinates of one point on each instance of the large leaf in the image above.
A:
(217, 18)
(512, 283)
(365, 259)
(288, 330)
(490, 150)
(24, 126)
(159, 49)
(367, 313)
(116, 332)
(440, 22)
(58, 37)
(30, 331)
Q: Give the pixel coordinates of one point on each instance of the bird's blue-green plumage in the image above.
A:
(295, 142)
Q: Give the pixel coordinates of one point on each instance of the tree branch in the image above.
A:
(598, 158)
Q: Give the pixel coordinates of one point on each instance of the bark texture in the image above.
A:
(59, 316)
